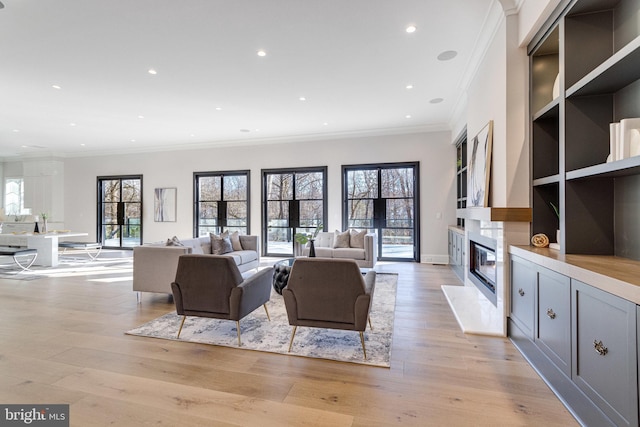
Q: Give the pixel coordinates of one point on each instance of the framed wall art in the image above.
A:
(480, 167)
(164, 204)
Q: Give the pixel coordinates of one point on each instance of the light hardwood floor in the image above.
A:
(62, 341)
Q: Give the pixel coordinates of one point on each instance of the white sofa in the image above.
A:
(155, 265)
(365, 257)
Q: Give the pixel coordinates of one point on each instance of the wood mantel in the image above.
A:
(496, 214)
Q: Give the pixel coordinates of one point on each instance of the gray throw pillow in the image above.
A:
(220, 244)
(174, 241)
(356, 238)
(340, 239)
(235, 241)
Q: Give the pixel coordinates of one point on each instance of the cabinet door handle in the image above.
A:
(600, 348)
(521, 292)
(550, 313)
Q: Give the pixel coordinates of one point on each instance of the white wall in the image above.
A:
(175, 169)
(532, 15)
(498, 92)
(487, 101)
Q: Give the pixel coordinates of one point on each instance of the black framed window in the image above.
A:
(384, 198)
(293, 201)
(221, 202)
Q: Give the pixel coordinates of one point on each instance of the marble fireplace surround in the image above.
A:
(473, 311)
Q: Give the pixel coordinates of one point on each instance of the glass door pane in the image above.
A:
(120, 210)
(295, 203)
(383, 199)
(131, 234)
(222, 202)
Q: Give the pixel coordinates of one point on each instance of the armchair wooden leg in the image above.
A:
(370, 325)
(364, 350)
(181, 325)
(265, 309)
(293, 334)
(238, 328)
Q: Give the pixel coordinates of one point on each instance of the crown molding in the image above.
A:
(249, 142)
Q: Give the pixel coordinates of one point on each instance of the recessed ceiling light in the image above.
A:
(409, 86)
(447, 55)
(408, 116)
(192, 135)
(411, 29)
(24, 146)
(261, 53)
(132, 140)
(152, 71)
(302, 98)
(72, 124)
(82, 145)
(218, 108)
(56, 87)
(141, 117)
(256, 130)
(436, 100)
(325, 124)
(16, 130)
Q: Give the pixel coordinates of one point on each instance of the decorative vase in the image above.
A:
(614, 142)
(36, 229)
(558, 236)
(44, 225)
(312, 249)
(630, 137)
(555, 91)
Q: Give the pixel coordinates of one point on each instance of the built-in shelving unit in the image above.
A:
(592, 54)
(461, 175)
(585, 75)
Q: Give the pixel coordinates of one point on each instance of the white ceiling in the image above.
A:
(350, 59)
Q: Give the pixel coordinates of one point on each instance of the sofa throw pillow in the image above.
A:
(174, 241)
(235, 241)
(220, 244)
(341, 239)
(356, 238)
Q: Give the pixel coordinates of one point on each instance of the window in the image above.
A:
(294, 201)
(14, 197)
(221, 202)
(384, 199)
(120, 211)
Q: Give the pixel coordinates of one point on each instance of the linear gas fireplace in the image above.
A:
(482, 265)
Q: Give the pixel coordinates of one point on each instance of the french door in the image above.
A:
(294, 201)
(221, 202)
(384, 198)
(120, 211)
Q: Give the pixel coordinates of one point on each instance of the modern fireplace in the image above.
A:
(482, 265)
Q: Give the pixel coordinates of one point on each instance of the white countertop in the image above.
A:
(616, 275)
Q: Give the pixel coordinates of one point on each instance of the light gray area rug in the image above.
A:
(260, 334)
(70, 265)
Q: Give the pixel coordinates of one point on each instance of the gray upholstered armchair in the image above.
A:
(212, 286)
(329, 293)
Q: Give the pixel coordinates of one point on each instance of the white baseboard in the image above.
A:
(434, 259)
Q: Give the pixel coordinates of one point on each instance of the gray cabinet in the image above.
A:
(457, 251)
(605, 363)
(459, 254)
(553, 334)
(581, 340)
(523, 280)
